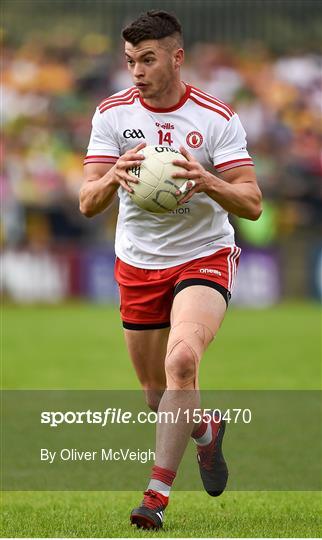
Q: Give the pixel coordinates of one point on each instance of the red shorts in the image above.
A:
(146, 296)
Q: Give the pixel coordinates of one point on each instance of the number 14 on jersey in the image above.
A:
(164, 137)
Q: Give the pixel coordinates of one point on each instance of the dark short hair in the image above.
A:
(153, 25)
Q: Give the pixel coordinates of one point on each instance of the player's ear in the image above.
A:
(178, 58)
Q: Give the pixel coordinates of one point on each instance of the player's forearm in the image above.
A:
(95, 196)
(243, 199)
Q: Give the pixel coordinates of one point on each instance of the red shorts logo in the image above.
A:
(194, 139)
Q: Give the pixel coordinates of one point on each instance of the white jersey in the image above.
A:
(211, 132)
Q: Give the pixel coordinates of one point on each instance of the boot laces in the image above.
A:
(153, 499)
(206, 456)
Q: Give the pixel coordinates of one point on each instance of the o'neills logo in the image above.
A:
(209, 271)
(194, 139)
(167, 125)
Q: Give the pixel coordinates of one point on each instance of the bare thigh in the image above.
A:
(196, 316)
(199, 304)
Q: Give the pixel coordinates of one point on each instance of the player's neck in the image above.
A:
(169, 98)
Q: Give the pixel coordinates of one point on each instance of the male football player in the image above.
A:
(176, 270)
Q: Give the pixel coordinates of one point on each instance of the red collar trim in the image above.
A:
(169, 109)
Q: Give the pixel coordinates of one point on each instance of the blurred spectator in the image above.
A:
(212, 68)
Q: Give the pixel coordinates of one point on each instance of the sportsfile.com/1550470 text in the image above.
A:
(113, 415)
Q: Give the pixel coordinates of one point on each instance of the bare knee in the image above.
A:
(181, 366)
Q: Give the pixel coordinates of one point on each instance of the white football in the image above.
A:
(156, 190)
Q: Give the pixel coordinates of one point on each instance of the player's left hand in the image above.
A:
(198, 178)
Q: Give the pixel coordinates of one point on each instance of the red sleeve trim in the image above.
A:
(100, 159)
(234, 163)
(235, 166)
(106, 162)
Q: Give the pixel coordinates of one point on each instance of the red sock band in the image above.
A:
(200, 430)
(164, 475)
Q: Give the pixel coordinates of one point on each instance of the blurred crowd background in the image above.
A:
(263, 57)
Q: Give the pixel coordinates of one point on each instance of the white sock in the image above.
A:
(160, 487)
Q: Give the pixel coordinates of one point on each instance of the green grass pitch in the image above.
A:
(80, 346)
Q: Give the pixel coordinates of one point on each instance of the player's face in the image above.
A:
(153, 68)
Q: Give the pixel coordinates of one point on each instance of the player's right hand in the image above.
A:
(131, 158)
